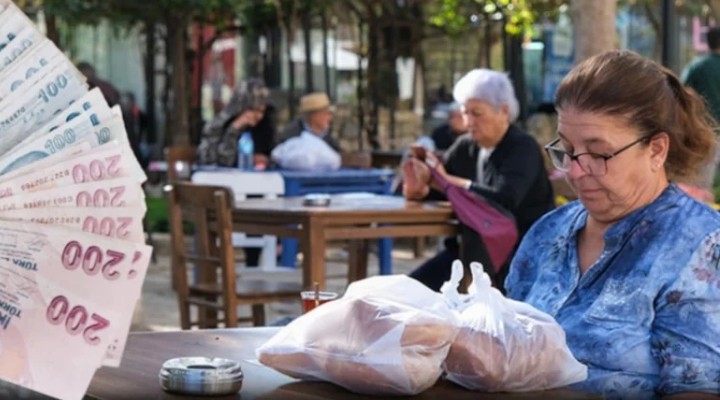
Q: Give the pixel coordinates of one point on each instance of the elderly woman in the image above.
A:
(218, 145)
(630, 270)
(495, 159)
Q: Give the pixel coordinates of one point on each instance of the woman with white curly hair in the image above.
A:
(495, 159)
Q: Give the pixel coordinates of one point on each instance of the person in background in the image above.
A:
(219, 141)
(316, 117)
(310, 148)
(218, 145)
(111, 94)
(703, 75)
(495, 159)
(444, 135)
(263, 135)
(135, 122)
(631, 270)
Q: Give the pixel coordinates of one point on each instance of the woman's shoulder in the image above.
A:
(517, 136)
(689, 214)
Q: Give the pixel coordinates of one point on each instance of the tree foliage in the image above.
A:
(455, 17)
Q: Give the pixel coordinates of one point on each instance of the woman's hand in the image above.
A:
(246, 119)
(434, 162)
(260, 161)
(416, 179)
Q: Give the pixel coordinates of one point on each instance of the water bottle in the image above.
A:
(246, 148)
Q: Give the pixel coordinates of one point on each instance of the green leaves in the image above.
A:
(457, 16)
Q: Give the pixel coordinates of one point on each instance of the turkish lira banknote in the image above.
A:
(72, 246)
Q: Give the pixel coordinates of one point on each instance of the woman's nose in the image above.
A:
(576, 170)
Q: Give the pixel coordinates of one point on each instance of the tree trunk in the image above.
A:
(594, 25)
(715, 10)
(326, 63)
(306, 26)
(360, 91)
(291, 75)
(149, 67)
(373, 72)
(52, 30)
(178, 132)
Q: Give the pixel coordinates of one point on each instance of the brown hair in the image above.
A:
(650, 96)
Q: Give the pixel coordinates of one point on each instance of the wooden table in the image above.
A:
(346, 218)
(299, 183)
(386, 159)
(137, 377)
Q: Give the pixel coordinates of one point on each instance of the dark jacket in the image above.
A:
(295, 128)
(514, 176)
(263, 133)
(443, 136)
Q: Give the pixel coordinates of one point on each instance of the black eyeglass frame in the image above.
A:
(574, 158)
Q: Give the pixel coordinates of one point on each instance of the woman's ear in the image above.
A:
(659, 146)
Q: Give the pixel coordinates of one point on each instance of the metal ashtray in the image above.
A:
(201, 376)
(316, 199)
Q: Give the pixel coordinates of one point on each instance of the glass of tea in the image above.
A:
(312, 299)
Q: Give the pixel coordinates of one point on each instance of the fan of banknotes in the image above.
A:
(72, 248)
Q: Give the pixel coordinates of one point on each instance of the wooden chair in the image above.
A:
(179, 160)
(244, 185)
(362, 160)
(208, 210)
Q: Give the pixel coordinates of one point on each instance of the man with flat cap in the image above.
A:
(316, 116)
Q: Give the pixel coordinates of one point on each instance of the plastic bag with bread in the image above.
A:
(388, 335)
(503, 344)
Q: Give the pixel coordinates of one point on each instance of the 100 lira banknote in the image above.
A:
(51, 94)
(43, 58)
(83, 129)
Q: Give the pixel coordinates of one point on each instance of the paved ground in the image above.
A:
(158, 309)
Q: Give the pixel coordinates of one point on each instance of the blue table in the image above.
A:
(300, 183)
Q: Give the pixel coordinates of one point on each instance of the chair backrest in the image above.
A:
(207, 209)
(180, 161)
(356, 160)
(243, 184)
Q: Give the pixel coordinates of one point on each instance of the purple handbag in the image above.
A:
(497, 229)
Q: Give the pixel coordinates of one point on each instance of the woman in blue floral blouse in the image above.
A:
(632, 269)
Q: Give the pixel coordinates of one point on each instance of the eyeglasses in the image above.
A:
(592, 163)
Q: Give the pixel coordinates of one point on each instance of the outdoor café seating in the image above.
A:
(205, 211)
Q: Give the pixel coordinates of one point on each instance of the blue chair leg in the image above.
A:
(385, 255)
(289, 252)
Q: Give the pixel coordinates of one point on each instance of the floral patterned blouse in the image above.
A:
(645, 318)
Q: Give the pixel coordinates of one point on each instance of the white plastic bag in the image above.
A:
(388, 335)
(503, 344)
(306, 152)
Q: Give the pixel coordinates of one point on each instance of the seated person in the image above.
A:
(630, 270)
(312, 148)
(245, 111)
(219, 141)
(495, 159)
(315, 116)
(444, 135)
